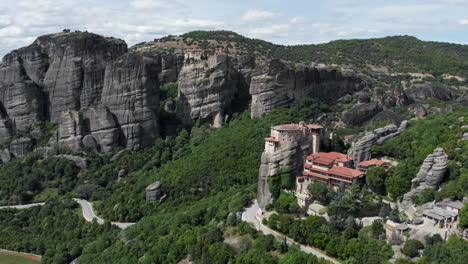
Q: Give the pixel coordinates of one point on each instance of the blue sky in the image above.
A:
(283, 22)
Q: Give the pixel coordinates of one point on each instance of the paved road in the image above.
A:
(24, 206)
(87, 208)
(249, 215)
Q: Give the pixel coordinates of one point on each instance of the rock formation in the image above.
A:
(5, 155)
(131, 93)
(154, 192)
(281, 84)
(102, 96)
(21, 147)
(430, 174)
(361, 150)
(360, 113)
(429, 90)
(206, 90)
(433, 169)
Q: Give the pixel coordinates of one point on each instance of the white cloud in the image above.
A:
(271, 31)
(463, 21)
(255, 15)
(153, 4)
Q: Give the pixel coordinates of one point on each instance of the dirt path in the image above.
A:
(22, 254)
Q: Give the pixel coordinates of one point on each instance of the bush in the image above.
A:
(412, 247)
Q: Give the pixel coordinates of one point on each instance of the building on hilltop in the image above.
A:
(283, 136)
(194, 54)
(286, 148)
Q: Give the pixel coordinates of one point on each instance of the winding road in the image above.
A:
(86, 207)
(250, 216)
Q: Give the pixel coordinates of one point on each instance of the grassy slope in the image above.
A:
(6, 258)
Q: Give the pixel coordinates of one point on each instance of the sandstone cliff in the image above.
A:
(103, 96)
(206, 90)
(280, 84)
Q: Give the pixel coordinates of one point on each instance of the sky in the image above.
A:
(285, 22)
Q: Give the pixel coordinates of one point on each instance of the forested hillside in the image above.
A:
(399, 53)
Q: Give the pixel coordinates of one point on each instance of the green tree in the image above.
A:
(463, 216)
(375, 178)
(412, 247)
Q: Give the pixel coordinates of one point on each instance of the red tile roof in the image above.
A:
(314, 126)
(340, 157)
(339, 171)
(325, 177)
(297, 126)
(271, 139)
(373, 162)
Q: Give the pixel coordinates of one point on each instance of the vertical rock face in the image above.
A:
(361, 150)
(77, 63)
(291, 158)
(171, 66)
(6, 129)
(131, 93)
(273, 88)
(281, 84)
(20, 98)
(206, 90)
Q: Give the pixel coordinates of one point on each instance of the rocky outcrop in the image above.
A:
(361, 150)
(387, 115)
(429, 90)
(6, 129)
(80, 162)
(291, 157)
(281, 84)
(433, 169)
(206, 90)
(46, 152)
(430, 175)
(154, 192)
(21, 147)
(360, 113)
(5, 155)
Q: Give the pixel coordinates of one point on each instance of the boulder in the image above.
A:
(154, 192)
(46, 152)
(5, 155)
(21, 147)
(433, 169)
(119, 155)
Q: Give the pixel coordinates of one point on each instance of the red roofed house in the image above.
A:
(333, 168)
(363, 166)
(283, 136)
